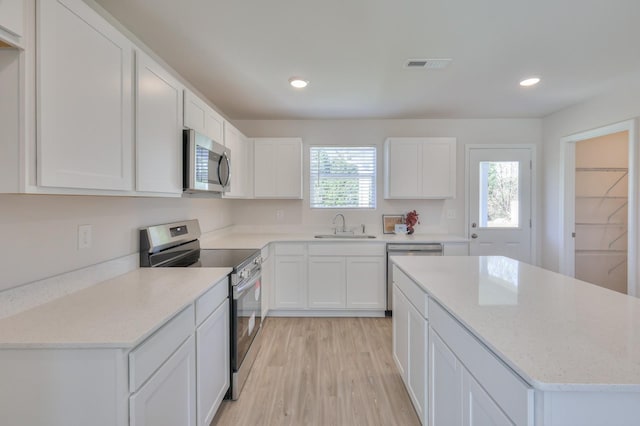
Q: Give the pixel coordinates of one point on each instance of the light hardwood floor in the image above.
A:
(322, 371)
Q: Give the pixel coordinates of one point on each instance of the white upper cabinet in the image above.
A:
(202, 118)
(420, 168)
(241, 167)
(12, 21)
(278, 168)
(85, 129)
(158, 128)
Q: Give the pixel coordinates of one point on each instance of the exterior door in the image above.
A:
(499, 202)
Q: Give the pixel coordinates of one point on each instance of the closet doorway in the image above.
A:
(600, 200)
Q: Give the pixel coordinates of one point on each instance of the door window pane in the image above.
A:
(499, 199)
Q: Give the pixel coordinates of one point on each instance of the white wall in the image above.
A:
(39, 232)
(613, 107)
(374, 132)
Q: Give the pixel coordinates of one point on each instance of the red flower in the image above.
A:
(412, 218)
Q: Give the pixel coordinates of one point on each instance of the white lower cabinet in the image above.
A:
(417, 374)
(327, 283)
(175, 377)
(212, 338)
(330, 276)
(445, 384)
(290, 286)
(451, 377)
(410, 349)
(400, 332)
(468, 384)
(168, 398)
(478, 407)
(366, 283)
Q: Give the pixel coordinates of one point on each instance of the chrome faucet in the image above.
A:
(344, 226)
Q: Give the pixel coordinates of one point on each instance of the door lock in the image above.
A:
(474, 225)
(474, 236)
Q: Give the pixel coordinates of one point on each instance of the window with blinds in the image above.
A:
(343, 177)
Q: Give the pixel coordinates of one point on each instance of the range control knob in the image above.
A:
(244, 274)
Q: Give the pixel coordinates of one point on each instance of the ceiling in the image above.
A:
(240, 54)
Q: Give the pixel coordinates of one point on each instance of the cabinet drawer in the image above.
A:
(208, 302)
(414, 293)
(508, 390)
(295, 249)
(153, 352)
(347, 249)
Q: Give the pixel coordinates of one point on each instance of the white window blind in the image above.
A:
(343, 177)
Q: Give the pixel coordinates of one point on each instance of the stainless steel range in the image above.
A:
(177, 245)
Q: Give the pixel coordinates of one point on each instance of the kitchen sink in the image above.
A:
(343, 236)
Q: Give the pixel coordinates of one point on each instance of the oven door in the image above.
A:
(207, 164)
(246, 317)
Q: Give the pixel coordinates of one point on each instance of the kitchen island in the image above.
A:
(570, 348)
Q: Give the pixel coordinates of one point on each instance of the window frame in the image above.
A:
(374, 198)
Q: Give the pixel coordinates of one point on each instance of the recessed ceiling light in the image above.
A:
(298, 82)
(530, 82)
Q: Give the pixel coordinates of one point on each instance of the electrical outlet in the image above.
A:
(85, 238)
(451, 214)
(279, 215)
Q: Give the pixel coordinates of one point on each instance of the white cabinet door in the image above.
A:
(401, 332)
(158, 128)
(12, 16)
(84, 99)
(402, 169)
(445, 384)
(168, 398)
(438, 168)
(213, 375)
(327, 283)
(366, 281)
(240, 170)
(202, 118)
(278, 168)
(420, 168)
(417, 371)
(290, 282)
(479, 408)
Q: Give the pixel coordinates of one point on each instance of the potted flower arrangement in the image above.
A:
(411, 219)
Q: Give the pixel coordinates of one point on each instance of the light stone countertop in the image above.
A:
(257, 240)
(557, 332)
(118, 313)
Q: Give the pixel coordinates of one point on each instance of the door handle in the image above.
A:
(474, 236)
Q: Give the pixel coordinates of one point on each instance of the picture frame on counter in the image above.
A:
(389, 222)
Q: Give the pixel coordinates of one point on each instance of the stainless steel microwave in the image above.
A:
(206, 164)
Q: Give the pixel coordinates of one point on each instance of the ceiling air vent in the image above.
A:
(430, 64)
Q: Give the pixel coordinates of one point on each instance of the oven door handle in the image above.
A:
(238, 290)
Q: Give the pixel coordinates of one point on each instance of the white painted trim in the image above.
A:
(324, 313)
(567, 196)
(534, 190)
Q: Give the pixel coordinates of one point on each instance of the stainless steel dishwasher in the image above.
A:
(406, 249)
